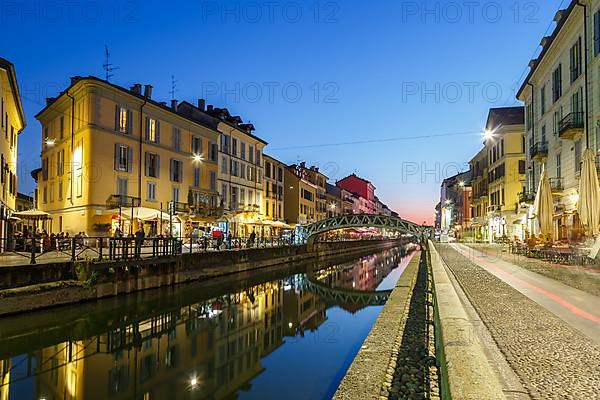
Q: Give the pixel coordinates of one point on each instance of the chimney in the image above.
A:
(532, 63)
(148, 91)
(201, 104)
(558, 16)
(544, 41)
(137, 88)
(209, 107)
(174, 105)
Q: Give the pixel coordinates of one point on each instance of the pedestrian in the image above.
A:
(139, 241)
(252, 239)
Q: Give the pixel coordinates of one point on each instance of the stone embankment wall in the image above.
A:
(27, 288)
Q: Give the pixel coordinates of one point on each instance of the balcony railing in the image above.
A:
(526, 197)
(482, 193)
(492, 209)
(539, 150)
(556, 184)
(176, 206)
(119, 200)
(571, 125)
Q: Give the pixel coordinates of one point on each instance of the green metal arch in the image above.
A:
(361, 220)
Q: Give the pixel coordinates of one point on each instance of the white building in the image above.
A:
(562, 99)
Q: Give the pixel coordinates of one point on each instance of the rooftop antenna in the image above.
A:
(173, 87)
(107, 66)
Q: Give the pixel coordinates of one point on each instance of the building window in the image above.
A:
(558, 165)
(60, 163)
(234, 147)
(242, 171)
(225, 144)
(152, 165)
(196, 145)
(242, 150)
(176, 170)
(196, 177)
(543, 100)
(575, 54)
(224, 165)
(224, 192)
(176, 138)
(257, 157)
(212, 152)
(280, 174)
(44, 169)
(123, 158)
(557, 83)
(122, 186)
(122, 120)
(234, 198)
(597, 33)
(543, 140)
(250, 174)
(578, 156)
(267, 169)
(251, 153)
(152, 130)
(151, 191)
(213, 181)
(175, 197)
(243, 197)
(62, 127)
(234, 168)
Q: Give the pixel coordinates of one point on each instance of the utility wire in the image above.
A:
(387, 140)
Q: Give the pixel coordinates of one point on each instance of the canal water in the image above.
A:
(290, 333)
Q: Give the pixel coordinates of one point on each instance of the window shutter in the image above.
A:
(158, 166)
(129, 122)
(117, 117)
(157, 131)
(116, 156)
(180, 163)
(147, 134)
(129, 159)
(147, 163)
(171, 175)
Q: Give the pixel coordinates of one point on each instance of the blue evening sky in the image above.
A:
(307, 74)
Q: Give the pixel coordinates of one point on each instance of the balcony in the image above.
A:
(571, 125)
(493, 209)
(119, 200)
(539, 151)
(176, 206)
(203, 203)
(556, 185)
(526, 197)
(482, 193)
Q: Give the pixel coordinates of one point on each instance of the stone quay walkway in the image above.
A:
(543, 328)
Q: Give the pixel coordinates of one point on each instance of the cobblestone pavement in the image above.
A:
(553, 360)
(586, 279)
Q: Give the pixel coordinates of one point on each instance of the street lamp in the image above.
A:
(198, 158)
(50, 141)
(488, 134)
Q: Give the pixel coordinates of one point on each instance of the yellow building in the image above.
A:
(109, 152)
(12, 122)
(240, 176)
(505, 148)
(479, 198)
(274, 189)
(300, 196)
(320, 181)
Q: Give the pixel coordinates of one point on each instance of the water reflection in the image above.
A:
(213, 348)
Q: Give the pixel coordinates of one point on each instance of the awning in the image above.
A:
(589, 195)
(144, 214)
(544, 205)
(32, 214)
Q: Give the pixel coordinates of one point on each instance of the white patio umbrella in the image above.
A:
(589, 195)
(543, 207)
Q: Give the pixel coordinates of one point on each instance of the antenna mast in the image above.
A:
(107, 66)
(173, 87)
